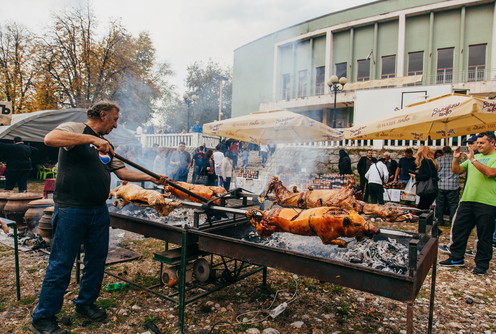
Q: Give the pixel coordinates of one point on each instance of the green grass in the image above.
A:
(146, 280)
(29, 300)
(106, 303)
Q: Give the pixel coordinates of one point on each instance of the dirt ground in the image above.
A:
(464, 303)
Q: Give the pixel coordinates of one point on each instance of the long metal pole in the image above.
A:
(335, 89)
(16, 263)
(220, 99)
(149, 172)
(187, 126)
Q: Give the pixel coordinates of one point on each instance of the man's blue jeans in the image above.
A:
(73, 227)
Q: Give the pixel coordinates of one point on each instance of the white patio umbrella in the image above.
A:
(274, 127)
(442, 117)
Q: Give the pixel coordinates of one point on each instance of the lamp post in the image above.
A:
(221, 85)
(336, 85)
(189, 100)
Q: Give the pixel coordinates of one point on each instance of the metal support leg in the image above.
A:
(264, 276)
(182, 280)
(433, 290)
(16, 264)
(409, 318)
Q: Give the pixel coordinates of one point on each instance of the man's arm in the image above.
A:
(135, 176)
(59, 138)
(487, 171)
(455, 164)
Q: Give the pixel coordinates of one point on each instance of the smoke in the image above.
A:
(293, 165)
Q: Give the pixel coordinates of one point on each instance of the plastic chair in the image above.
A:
(44, 172)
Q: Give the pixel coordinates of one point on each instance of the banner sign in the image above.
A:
(5, 113)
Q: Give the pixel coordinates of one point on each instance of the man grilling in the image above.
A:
(81, 215)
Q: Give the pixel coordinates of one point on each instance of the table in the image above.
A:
(256, 186)
(398, 195)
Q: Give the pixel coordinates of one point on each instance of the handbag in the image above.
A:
(427, 187)
(202, 179)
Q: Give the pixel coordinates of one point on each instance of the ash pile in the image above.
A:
(386, 254)
(178, 217)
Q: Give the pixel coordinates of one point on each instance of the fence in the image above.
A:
(173, 139)
(197, 139)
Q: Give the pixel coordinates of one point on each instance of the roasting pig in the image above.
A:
(328, 223)
(207, 192)
(132, 193)
(343, 198)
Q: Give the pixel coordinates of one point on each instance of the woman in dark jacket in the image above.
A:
(209, 168)
(426, 169)
(344, 163)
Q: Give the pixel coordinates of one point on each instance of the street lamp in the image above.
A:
(189, 100)
(221, 85)
(336, 85)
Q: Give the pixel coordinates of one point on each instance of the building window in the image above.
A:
(286, 86)
(445, 65)
(302, 83)
(363, 69)
(416, 63)
(476, 62)
(388, 69)
(341, 69)
(319, 80)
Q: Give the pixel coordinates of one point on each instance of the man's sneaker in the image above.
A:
(470, 253)
(494, 243)
(92, 312)
(479, 271)
(46, 326)
(450, 262)
(444, 249)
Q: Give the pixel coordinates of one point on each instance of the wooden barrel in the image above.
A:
(17, 205)
(35, 211)
(45, 224)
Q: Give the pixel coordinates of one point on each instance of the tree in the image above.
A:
(17, 68)
(204, 80)
(83, 70)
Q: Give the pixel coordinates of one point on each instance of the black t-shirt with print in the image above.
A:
(83, 173)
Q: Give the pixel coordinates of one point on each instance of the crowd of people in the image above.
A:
(436, 176)
(86, 160)
(208, 166)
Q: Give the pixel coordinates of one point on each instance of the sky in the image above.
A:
(184, 31)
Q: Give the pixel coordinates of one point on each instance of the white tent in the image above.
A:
(32, 127)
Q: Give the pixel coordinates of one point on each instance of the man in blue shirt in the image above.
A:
(197, 127)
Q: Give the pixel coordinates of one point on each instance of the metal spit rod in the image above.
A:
(155, 175)
(216, 208)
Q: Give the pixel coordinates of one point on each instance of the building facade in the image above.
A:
(392, 52)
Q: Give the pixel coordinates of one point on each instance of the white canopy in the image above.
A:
(32, 127)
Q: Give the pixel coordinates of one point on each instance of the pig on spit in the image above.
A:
(326, 222)
(132, 193)
(342, 198)
(207, 192)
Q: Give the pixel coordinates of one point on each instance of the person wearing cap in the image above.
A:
(472, 143)
(19, 165)
(477, 205)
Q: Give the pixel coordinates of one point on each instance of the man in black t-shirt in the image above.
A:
(406, 164)
(81, 215)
